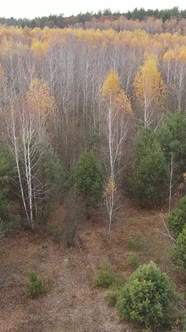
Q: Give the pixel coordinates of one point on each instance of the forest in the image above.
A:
(153, 21)
(93, 174)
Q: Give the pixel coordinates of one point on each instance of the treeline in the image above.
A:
(167, 20)
(71, 97)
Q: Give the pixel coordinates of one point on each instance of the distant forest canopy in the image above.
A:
(153, 21)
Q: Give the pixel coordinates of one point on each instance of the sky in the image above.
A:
(34, 8)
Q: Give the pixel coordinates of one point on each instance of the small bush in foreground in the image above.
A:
(106, 277)
(147, 298)
(34, 286)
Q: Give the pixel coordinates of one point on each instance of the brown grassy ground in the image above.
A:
(70, 303)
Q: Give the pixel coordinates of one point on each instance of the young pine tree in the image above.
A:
(149, 183)
(89, 180)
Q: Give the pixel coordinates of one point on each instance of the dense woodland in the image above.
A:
(88, 116)
(152, 21)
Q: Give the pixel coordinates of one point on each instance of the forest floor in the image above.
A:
(70, 302)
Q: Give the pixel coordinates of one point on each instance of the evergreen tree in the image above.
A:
(149, 182)
(172, 137)
(6, 174)
(89, 180)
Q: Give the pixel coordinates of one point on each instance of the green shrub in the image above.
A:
(147, 297)
(177, 218)
(133, 260)
(34, 286)
(180, 249)
(13, 224)
(136, 242)
(172, 137)
(89, 180)
(106, 276)
(149, 182)
(7, 177)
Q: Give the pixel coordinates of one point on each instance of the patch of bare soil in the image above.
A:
(70, 303)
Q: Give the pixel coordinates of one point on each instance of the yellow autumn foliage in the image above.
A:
(148, 84)
(122, 103)
(111, 91)
(110, 187)
(39, 49)
(179, 54)
(111, 85)
(40, 99)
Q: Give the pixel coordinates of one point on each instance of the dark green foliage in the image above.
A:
(147, 297)
(89, 180)
(172, 137)
(106, 277)
(180, 249)
(4, 185)
(60, 22)
(34, 286)
(7, 175)
(149, 183)
(52, 173)
(177, 225)
(177, 218)
(13, 224)
(52, 178)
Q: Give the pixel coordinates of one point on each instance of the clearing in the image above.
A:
(70, 303)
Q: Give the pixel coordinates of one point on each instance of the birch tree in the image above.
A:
(149, 92)
(27, 129)
(116, 116)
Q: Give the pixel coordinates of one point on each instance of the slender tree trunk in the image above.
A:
(170, 182)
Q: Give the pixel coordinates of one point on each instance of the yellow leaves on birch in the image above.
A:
(110, 187)
(149, 87)
(39, 48)
(179, 54)
(40, 99)
(112, 92)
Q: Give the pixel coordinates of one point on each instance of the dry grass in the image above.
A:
(71, 303)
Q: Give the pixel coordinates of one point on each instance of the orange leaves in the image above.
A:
(122, 102)
(39, 98)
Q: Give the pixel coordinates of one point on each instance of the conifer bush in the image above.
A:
(177, 218)
(89, 180)
(180, 249)
(147, 297)
(34, 286)
(149, 182)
